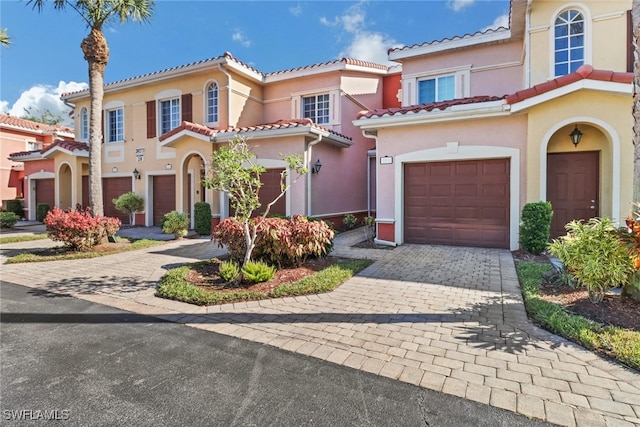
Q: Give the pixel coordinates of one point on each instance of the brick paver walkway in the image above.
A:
(444, 318)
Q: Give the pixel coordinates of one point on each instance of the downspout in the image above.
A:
(527, 45)
(226, 73)
(308, 160)
(375, 138)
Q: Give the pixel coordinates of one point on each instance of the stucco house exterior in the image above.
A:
(161, 128)
(486, 121)
(23, 137)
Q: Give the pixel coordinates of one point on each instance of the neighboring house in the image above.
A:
(160, 130)
(23, 138)
(486, 122)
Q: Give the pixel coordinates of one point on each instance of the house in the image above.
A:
(161, 128)
(23, 137)
(490, 121)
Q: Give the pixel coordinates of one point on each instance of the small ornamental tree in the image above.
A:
(234, 170)
(129, 203)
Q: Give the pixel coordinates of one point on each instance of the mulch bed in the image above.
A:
(613, 310)
(205, 276)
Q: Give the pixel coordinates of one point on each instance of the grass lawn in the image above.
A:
(615, 342)
(185, 283)
(63, 253)
(23, 238)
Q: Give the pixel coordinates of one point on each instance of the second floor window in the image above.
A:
(316, 108)
(569, 42)
(115, 125)
(84, 124)
(33, 146)
(169, 115)
(436, 89)
(212, 103)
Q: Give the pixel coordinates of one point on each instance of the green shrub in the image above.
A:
(535, 226)
(202, 213)
(41, 211)
(176, 223)
(8, 219)
(228, 271)
(16, 206)
(129, 203)
(349, 221)
(258, 272)
(594, 256)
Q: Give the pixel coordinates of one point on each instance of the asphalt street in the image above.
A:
(77, 363)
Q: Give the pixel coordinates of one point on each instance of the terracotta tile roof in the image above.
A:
(283, 124)
(347, 61)
(584, 72)
(280, 124)
(68, 145)
(447, 39)
(30, 125)
(188, 126)
(441, 105)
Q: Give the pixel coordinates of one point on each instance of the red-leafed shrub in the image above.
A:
(78, 229)
(279, 241)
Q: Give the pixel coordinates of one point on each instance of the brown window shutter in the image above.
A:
(151, 119)
(104, 135)
(630, 48)
(187, 108)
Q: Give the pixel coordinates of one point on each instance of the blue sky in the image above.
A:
(45, 59)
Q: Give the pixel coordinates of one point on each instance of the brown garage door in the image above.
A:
(457, 203)
(45, 192)
(112, 188)
(164, 196)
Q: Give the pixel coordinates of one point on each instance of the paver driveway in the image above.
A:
(445, 318)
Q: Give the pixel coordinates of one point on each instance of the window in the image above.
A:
(569, 37)
(316, 108)
(115, 125)
(436, 89)
(84, 124)
(212, 103)
(33, 146)
(169, 115)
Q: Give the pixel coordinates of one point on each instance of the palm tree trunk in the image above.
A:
(635, 18)
(96, 52)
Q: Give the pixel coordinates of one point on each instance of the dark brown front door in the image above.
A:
(268, 192)
(457, 203)
(45, 192)
(164, 196)
(572, 187)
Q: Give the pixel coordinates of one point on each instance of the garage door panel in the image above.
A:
(164, 196)
(112, 188)
(467, 203)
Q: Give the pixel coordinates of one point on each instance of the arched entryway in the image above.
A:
(581, 181)
(65, 196)
(193, 171)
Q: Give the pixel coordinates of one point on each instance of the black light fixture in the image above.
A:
(136, 174)
(576, 136)
(316, 167)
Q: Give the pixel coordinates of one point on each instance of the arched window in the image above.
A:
(569, 36)
(84, 124)
(212, 103)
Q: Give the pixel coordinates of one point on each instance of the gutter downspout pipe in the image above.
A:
(308, 159)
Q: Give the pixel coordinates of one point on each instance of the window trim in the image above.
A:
(112, 106)
(159, 113)
(334, 104)
(206, 103)
(462, 89)
(84, 124)
(588, 35)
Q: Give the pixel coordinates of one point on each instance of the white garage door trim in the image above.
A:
(454, 152)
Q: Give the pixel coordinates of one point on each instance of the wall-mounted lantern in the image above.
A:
(316, 167)
(136, 174)
(575, 136)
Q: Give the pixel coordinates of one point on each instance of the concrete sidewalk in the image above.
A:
(449, 319)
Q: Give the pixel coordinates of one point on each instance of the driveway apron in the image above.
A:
(445, 318)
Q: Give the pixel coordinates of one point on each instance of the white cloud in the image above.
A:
(40, 98)
(241, 38)
(458, 5)
(500, 21)
(296, 10)
(365, 45)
